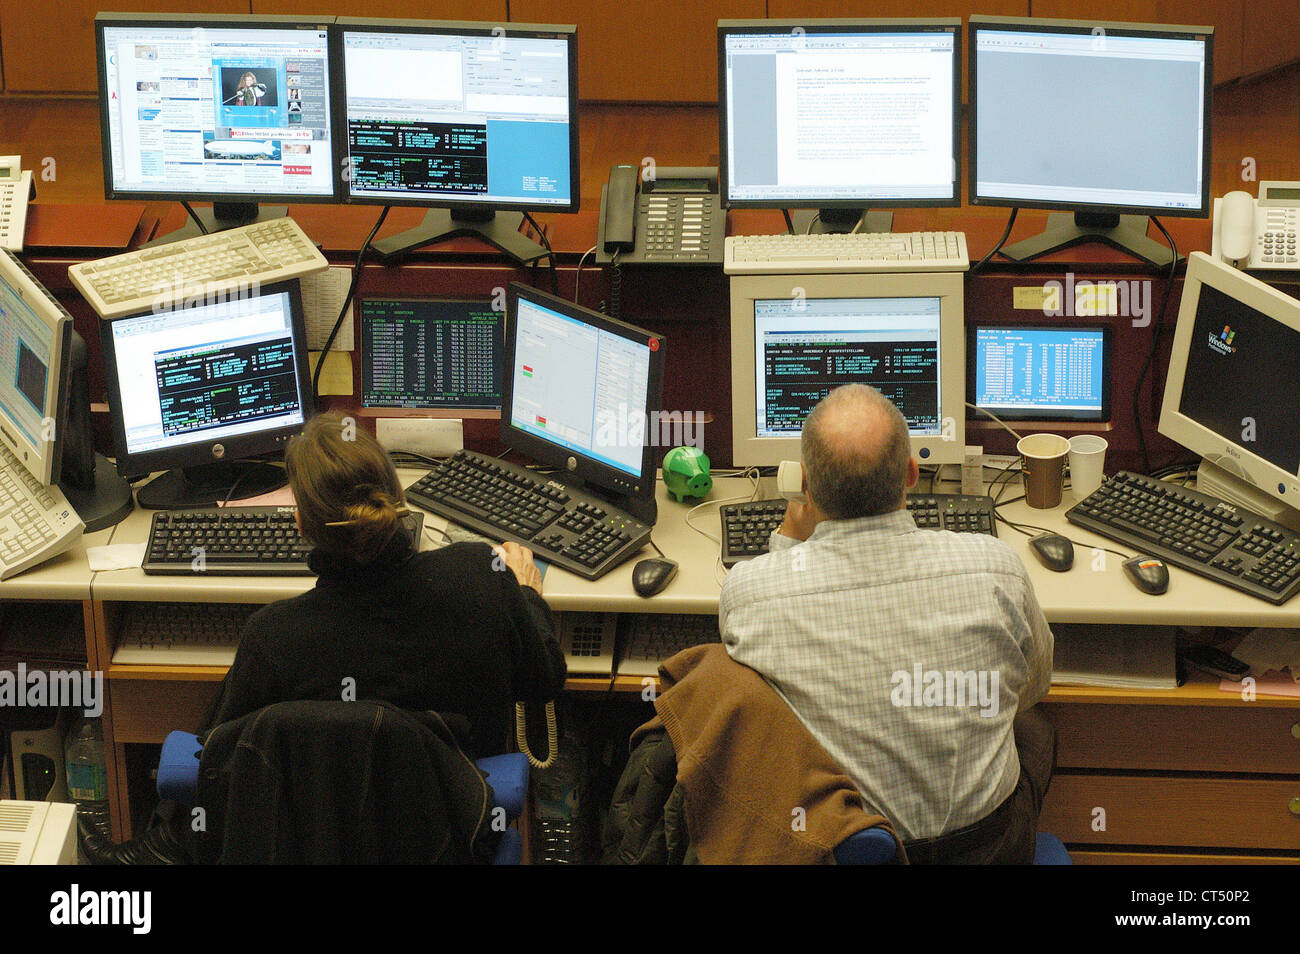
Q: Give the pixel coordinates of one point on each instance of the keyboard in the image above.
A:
(650, 638)
(1199, 533)
(846, 252)
(181, 634)
(36, 520)
(157, 277)
(233, 541)
(747, 526)
(561, 524)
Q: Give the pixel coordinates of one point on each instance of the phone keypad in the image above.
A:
(1277, 243)
(678, 228)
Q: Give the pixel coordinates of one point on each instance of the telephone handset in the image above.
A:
(661, 216)
(1261, 232)
(16, 190)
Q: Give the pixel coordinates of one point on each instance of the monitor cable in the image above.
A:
(577, 279)
(996, 248)
(1157, 330)
(347, 303)
(194, 215)
(550, 252)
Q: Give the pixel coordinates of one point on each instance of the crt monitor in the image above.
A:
(581, 393)
(1040, 372)
(839, 116)
(229, 109)
(442, 355)
(201, 388)
(470, 119)
(793, 340)
(1229, 395)
(1110, 121)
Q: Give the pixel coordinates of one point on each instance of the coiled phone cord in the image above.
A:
(552, 736)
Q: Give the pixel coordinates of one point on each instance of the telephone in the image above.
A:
(1262, 232)
(664, 216)
(16, 190)
(789, 481)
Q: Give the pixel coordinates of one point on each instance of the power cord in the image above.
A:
(577, 279)
(1156, 333)
(347, 303)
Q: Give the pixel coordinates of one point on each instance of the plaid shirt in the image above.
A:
(879, 635)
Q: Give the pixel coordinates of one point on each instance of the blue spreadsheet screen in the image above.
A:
(1041, 372)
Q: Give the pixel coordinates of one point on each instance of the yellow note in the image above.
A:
(1035, 297)
(336, 378)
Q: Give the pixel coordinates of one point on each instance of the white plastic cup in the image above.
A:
(1044, 468)
(1087, 457)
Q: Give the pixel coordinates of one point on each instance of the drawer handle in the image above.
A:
(1294, 806)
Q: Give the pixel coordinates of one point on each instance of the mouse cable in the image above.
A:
(1020, 528)
(654, 546)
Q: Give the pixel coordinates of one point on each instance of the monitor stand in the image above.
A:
(1222, 482)
(101, 502)
(498, 229)
(88, 479)
(1064, 229)
(841, 220)
(209, 484)
(222, 216)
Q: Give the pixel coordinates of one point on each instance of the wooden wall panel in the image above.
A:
(50, 47)
(783, 9)
(664, 53)
(1224, 15)
(490, 10)
(1272, 34)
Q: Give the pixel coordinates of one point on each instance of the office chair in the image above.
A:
(874, 846)
(178, 780)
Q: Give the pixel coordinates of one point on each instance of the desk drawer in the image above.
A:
(145, 711)
(1177, 738)
(1193, 812)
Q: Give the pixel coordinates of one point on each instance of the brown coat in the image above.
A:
(759, 788)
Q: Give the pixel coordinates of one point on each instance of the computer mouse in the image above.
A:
(1148, 574)
(1053, 551)
(652, 575)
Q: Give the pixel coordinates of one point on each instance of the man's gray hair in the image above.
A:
(855, 450)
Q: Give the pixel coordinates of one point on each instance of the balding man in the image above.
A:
(907, 653)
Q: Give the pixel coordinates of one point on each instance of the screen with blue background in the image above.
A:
(1041, 372)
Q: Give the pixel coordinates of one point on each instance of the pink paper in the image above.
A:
(276, 498)
(1272, 683)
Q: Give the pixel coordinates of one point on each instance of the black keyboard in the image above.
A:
(1192, 530)
(561, 524)
(233, 541)
(746, 526)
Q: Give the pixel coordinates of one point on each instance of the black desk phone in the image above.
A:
(661, 216)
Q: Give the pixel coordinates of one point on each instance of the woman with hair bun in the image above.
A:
(461, 629)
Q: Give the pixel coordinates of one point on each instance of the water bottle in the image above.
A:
(83, 750)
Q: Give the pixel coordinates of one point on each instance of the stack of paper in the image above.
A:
(1114, 657)
(1270, 650)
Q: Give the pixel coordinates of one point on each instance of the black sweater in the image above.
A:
(440, 630)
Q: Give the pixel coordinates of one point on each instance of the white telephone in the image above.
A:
(15, 191)
(1259, 233)
(789, 481)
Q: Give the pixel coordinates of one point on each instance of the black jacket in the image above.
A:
(441, 630)
(341, 783)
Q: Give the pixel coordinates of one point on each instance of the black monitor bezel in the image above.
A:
(209, 21)
(338, 80)
(239, 447)
(1032, 414)
(1086, 28)
(840, 25)
(484, 301)
(568, 461)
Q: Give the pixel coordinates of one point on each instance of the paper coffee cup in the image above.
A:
(1044, 468)
(1087, 458)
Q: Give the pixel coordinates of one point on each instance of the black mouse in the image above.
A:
(1148, 574)
(652, 575)
(1053, 551)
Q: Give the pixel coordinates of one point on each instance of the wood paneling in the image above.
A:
(666, 52)
(489, 10)
(1272, 34)
(784, 9)
(50, 47)
(1224, 15)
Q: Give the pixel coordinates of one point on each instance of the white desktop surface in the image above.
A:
(65, 577)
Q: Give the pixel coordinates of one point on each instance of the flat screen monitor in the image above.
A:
(791, 346)
(582, 393)
(35, 345)
(839, 115)
(466, 118)
(440, 354)
(1095, 118)
(1229, 395)
(198, 388)
(1050, 373)
(230, 109)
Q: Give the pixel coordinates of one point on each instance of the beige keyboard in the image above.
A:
(36, 521)
(846, 252)
(181, 634)
(650, 638)
(156, 279)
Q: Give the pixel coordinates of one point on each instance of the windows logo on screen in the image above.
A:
(1222, 343)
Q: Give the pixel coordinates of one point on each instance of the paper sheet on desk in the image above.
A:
(283, 497)
(1269, 684)
(322, 297)
(116, 556)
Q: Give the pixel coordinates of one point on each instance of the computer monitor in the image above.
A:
(581, 393)
(202, 388)
(840, 116)
(231, 109)
(1229, 395)
(469, 119)
(793, 340)
(1108, 120)
(1040, 372)
(440, 354)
